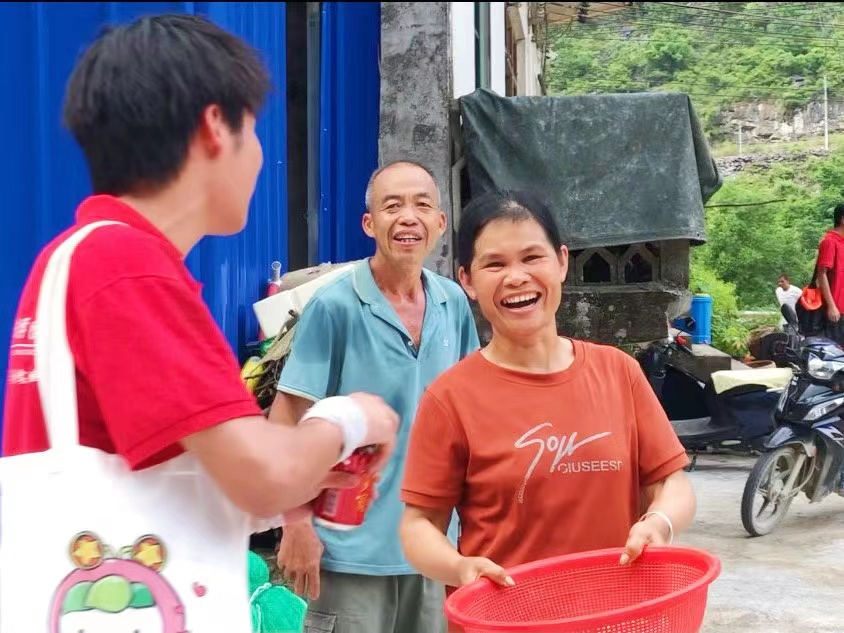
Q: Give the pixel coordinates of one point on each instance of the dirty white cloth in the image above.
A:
(772, 378)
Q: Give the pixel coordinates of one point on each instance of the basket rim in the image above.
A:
(712, 562)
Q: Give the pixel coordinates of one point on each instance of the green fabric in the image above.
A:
(616, 169)
(259, 573)
(275, 609)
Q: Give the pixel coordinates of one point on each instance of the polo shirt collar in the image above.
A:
(104, 207)
(369, 292)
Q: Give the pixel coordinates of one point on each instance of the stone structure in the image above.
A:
(622, 294)
(625, 294)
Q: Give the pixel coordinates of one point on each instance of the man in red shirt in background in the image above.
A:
(831, 275)
(830, 267)
(164, 109)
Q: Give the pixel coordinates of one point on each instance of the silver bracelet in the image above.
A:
(665, 518)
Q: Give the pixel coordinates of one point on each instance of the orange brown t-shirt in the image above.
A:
(540, 465)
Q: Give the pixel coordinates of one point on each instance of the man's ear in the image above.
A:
(366, 223)
(466, 281)
(443, 223)
(213, 131)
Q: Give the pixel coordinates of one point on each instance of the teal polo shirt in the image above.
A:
(349, 338)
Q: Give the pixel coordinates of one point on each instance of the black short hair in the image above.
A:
(502, 205)
(136, 96)
(838, 214)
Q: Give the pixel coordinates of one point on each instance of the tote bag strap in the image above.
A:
(54, 363)
(813, 283)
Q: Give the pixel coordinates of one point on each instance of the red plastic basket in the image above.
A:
(663, 591)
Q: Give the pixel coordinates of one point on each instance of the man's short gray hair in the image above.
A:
(368, 195)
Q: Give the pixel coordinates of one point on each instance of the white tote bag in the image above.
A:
(87, 545)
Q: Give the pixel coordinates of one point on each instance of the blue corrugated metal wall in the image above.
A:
(44, 176)
(350, 96)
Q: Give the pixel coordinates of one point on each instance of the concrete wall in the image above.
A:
(416, 91)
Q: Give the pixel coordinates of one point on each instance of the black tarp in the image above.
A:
(616, 168)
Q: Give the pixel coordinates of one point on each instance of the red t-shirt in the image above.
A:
(152, 367)
(540, 465)
(831, 257)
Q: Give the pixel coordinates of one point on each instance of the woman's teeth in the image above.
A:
(520, 301)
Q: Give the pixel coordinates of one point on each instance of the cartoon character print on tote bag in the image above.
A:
(117, 592)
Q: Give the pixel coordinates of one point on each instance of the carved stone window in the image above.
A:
(596, 266)
(638, 265)
(615, 265)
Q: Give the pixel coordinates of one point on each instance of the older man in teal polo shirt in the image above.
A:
(388, 327)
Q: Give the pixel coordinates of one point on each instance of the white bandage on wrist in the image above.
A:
(345, 413)
(665, 518)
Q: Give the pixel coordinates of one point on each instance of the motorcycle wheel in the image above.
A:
(768, 480)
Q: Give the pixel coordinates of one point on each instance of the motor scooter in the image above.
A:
(732, 410)
(806, 451)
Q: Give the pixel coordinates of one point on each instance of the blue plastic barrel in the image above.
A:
(701, 312)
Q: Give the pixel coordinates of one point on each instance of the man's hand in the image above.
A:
(832, 313)
(382, 424)
(652, 531)
(469, 569)
(299, 555)
(333, 479)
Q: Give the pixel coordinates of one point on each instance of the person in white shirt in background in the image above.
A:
(786, 293)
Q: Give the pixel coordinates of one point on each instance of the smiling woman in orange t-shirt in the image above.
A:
(545, 445)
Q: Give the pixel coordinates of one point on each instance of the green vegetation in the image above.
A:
(719, 53)
(749, 247)
(723, 54)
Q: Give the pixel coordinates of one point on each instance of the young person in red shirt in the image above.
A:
(164, 109)
(545, 445)
(831, 274)
(830, 267)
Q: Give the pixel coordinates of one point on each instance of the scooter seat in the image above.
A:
(771, 378)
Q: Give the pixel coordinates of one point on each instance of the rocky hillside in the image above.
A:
(732, 165)
(772, 121)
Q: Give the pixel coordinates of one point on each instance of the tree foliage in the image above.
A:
(720, 53)
(749, 247)
(723, 54)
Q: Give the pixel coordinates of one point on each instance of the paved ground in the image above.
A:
(791, 580)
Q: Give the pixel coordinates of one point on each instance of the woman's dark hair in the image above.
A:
(136, 96)
(502, 205)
